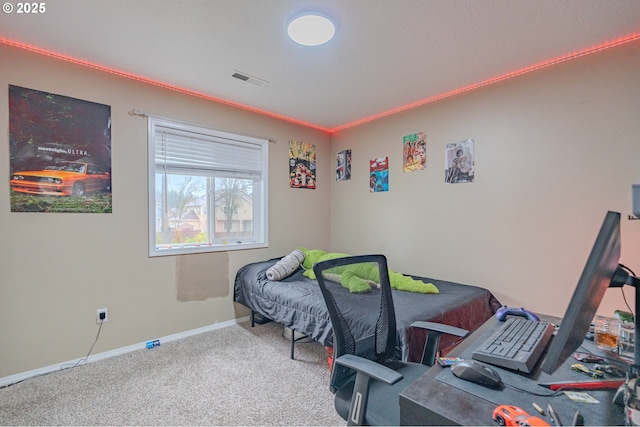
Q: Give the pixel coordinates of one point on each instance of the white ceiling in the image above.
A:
(386, 53)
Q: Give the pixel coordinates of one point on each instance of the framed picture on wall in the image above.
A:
(302, 165)
(459, 161)
(379, 175)
(343, 165)
(414, 149)
(60, 153)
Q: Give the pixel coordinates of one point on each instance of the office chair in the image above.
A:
(364, 345)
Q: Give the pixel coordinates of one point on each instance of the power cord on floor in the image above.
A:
(63, 366)
(84, 359)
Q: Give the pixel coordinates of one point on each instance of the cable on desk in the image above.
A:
(533, 393)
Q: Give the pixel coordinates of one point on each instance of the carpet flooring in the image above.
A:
(237, 375)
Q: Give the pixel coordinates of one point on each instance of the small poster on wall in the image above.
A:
(60, 153)
(302, 165)
(414, 148)
(459, 162)
(343, 165)
(379, 175)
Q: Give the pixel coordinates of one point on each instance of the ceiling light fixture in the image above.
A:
(311, 28)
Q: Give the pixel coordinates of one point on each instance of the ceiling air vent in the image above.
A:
(249, 78)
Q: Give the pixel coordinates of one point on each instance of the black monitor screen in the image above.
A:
(594, 281)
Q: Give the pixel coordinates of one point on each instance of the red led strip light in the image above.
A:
(158, 83)
(503, 77)
(488, 82)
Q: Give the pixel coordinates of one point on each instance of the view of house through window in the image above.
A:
(209, 192)
(183, 214)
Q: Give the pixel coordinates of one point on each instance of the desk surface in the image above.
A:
(429, 401)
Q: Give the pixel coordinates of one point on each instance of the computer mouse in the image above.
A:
(476, 372)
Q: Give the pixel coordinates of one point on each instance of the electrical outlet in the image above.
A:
(101, 316)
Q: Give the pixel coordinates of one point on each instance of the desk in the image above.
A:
(429, 401)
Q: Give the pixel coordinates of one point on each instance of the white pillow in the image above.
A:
(286, 266)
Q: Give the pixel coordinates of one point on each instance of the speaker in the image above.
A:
(635, 195)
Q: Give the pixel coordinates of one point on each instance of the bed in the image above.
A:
(296, 302)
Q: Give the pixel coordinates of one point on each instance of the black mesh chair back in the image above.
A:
(365, 324)
(368, 375)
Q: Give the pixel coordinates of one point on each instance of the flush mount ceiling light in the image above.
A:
(311, 29)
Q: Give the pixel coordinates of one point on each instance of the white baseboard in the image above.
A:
(12, 379)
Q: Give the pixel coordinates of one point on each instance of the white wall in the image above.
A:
(56, 270)
(555, 149)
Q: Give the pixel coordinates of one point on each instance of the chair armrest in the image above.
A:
(439, 327)
(370, 368)
(365, 370)
(433, 338)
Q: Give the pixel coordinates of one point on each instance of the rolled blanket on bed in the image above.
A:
(286, 266)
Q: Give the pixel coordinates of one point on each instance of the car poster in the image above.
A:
(379, 175)
(60, 153)
(414, 148)
(343, 165)
(302, 165)
(459, 162)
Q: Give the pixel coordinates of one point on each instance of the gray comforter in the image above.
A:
(296, 302)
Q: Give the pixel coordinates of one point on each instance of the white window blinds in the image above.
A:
(196, 151)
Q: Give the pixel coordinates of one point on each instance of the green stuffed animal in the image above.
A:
(359, 278)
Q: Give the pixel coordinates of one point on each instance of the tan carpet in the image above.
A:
(232, 376)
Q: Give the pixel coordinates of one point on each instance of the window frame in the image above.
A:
(260, 237)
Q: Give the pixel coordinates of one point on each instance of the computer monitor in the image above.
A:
(596, 277)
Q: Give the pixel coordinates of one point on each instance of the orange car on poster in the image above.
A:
(62, 179)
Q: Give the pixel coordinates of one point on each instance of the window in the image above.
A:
(207, 190)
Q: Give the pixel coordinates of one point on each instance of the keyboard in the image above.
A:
(517, 344)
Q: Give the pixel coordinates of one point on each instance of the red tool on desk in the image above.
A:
(584, 385)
